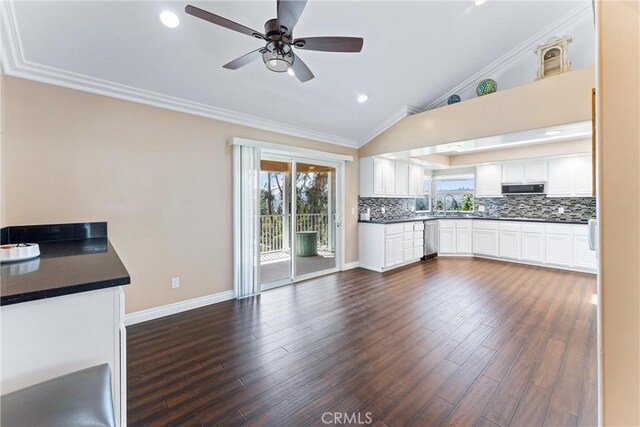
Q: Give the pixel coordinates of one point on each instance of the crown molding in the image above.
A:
(14, 63)
(405, 111)
(572, 17)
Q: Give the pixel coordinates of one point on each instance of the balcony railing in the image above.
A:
(274, 230)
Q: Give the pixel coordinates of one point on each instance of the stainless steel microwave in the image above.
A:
(523, 189)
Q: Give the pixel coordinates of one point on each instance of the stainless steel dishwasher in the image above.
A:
(430, 239)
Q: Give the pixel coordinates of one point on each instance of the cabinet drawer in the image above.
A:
(408, 226)
(417, 252)
(407, 244)
(408, 235)
(509, 226)
(408, 254)
(393, 229)
(418, 242)
(447, 223)
(486, 225)
(581, 230)
(418, 226)
(417, 234)
(563, 230)
(463, 224)
(533, 228)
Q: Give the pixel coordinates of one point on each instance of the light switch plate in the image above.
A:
(175, 282)
(383, 209)
(560, 210)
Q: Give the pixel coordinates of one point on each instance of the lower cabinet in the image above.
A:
(447, 241)
(383, 247)
(393, 250)
(509, 243)
(533, 247)
(485, 238)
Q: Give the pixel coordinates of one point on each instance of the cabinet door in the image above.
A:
(513, 173)
(509, 244)
(560, 177)
(532, 247)
(559, 250)
(389, 178)
(582, 179)
(583, 257)
(488, 181)
(535, 171)
(463, 241)
(412, 181)
(398, 249)
(485, 242)
(379, 166)
(447, 243)
(389, 251)
(402, 179)
(408, 254)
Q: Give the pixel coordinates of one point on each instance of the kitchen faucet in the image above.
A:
(444, 202)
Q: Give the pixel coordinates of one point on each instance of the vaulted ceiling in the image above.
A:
(413, 53)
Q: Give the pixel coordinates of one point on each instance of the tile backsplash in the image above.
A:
(538, 206)
(394, 207)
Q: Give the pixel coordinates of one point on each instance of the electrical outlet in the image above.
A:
(480, 208)
(560, 210)
(383, 209)
(353, 211)
(175, 282)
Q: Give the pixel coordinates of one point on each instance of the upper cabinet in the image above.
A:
(488, 181)
(570, 177)
(380, 177)
(526, 172)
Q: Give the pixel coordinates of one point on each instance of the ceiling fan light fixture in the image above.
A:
(291, 72)
(277, 61)
(169, 19)
(363, 98)
(480, 2)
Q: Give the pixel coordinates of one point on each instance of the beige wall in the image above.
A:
(619, 181)
(161, 179)
(561, 99)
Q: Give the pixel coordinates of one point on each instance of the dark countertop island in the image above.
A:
(73, 258)
(433, 218)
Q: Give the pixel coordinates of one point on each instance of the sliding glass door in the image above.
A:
(298, 219)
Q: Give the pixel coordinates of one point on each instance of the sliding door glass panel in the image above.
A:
(275, 221)
(315, 211)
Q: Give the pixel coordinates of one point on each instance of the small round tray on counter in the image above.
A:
(19, 252)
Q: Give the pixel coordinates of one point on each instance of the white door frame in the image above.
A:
(308, 157)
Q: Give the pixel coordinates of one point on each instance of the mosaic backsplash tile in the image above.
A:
(535, 206)
(394, 207)
(538, 206)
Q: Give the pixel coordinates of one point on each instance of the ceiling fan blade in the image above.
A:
(330, 44)
(289, 12)
(223, 22)
(302, 72)
(243, 60)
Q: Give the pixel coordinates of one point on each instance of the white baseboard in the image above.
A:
(177, 307)
(350, 265)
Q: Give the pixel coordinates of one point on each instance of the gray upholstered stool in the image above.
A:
(81, 398)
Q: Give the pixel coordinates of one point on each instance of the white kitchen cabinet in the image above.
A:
(559, 245)
(535, 171)
(447, 241)
(380, 177)
(582, 183)
(383, 247)
(513, 173)
(532, 238)
(379, 166)
(485, 238)
(489, 181)
(402, 179)
(509, 243)
(463, 241)
(389, 178)
(570, 177)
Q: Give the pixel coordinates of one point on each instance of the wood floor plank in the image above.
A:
(456, 341)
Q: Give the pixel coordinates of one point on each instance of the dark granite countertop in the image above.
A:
(64, 267)
(433, 218)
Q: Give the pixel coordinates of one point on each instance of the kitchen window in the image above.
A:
(461, 187)
(423, 204)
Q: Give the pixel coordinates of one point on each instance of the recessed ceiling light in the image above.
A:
(480, 2)
(291, 72)
(363, 98)
(169, 19)
(553, 132)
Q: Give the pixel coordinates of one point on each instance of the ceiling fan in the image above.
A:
(278, 53)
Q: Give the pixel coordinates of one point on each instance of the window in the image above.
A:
(461, 187)
(423, 204)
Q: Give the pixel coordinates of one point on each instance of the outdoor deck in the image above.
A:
(275, 265)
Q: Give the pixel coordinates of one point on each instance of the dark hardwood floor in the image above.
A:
(465, 342)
